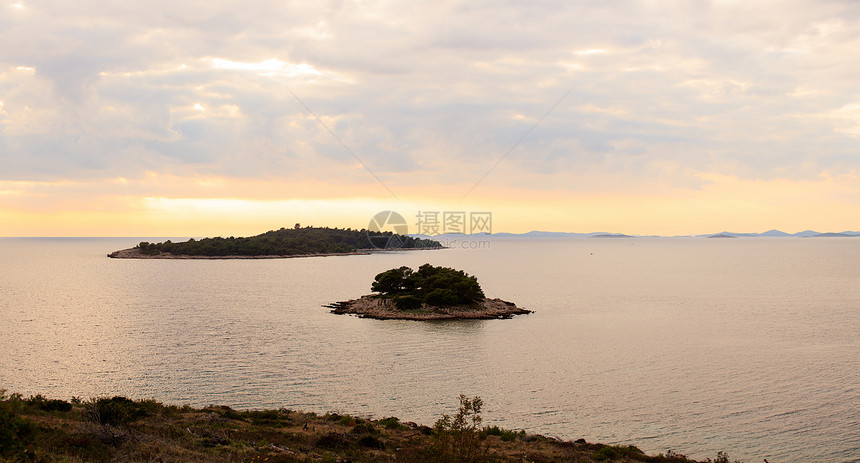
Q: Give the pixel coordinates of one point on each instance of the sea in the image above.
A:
(750, 346)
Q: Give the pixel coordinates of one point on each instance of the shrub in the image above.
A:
(115, 411)
(267, 420)
(458, 438)
(371, 442)
(493, 431)
(606, 453)
(223, 410)
(722, 457)
(48, 405)
(17, 434)
(364, 428)
(407, 302)
(392, 423)
(441, 296)
(508, 435)
(333, 440)
(614, 452)
(150, 407)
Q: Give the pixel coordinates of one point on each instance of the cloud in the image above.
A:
(661, 93)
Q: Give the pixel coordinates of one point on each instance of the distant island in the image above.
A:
(431, 293)
(834, 235)
(548, 235)
(612, 235)
(286, 242)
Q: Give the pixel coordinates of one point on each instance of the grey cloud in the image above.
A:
(420, 87)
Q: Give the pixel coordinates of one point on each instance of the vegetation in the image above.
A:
(459, 438)
(288, 242)
(120, 429)
(436, 286)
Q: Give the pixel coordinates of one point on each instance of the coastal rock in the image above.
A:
(380, 308)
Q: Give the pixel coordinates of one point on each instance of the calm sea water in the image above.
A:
(750, 346)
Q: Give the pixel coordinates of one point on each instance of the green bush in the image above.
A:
(392, 423)
(223, 410)
(504, 434)
(114, 411)
(268, 418)
(150, 407)
(441, 296)
(408, 302)
(364, 428)
(493, 431)
(614, 452)
(48, 405)
(17, 434)
(606, 453)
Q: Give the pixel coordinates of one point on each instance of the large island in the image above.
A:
(286, 242)
(431, 293)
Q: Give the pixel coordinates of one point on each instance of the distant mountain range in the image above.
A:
(557, 235)
(782, 234)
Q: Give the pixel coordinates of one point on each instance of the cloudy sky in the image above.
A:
(193, 118)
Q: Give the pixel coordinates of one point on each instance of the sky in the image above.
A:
(193, 118)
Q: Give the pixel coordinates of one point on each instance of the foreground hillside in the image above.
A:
(121, 430)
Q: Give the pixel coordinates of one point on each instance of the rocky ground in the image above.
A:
(373, 306)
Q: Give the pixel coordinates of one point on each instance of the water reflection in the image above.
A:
(748, 346)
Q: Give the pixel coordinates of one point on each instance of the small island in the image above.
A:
(287, 242)
(431, 293)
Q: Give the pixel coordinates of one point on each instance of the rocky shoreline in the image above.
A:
(380, 308)
(134, 253)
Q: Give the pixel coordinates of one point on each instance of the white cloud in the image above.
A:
(269, 67)
(847, 119)
(662, 90)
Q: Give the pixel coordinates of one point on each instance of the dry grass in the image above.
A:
(146, 431)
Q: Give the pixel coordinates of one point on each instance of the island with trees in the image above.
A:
(430, 293)
(287, 242)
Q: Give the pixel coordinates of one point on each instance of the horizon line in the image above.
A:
(777, 234)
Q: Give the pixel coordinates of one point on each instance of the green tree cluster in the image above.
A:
(439, 286)
(287, 242)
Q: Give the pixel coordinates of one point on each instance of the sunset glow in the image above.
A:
(670, 119)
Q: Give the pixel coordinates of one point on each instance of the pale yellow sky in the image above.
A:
(201, 209)
(210, 118)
